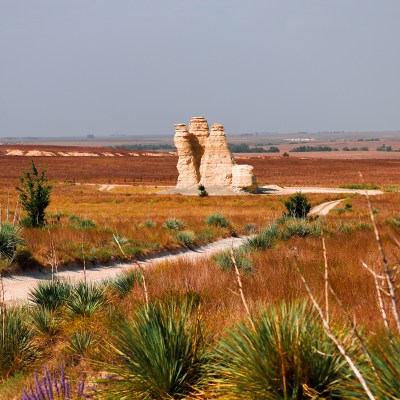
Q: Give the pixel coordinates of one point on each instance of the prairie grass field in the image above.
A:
(181, 329)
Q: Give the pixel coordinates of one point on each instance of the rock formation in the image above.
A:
(205, 158)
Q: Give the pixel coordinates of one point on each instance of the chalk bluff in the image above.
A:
(204, 158)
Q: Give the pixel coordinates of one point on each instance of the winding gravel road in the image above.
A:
(18, 285)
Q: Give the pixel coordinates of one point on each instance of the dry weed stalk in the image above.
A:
(379, 289)
(326, 278)
(387, 269)
(339, 345)
(53, 257)
(8, 205)
(146, 294)
(84, 259)
(119, 245)
(240, 287)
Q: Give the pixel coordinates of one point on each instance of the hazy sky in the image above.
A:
(74, 67)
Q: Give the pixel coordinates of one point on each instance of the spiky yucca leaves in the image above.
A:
(124, 282)
(17, 347)
(161, 353)
(86, 298)
(81, 341)
(50, 294)
(266, 239)
(285, 356)
(10, 238)
(383, 376)
(44, 321)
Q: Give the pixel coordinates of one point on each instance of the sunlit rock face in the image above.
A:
(204, 157)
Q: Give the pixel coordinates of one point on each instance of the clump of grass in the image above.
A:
(217, 220)
(186, 237)
(162, 353)
(173, 224)
(360, 187)
(345, 227)
(250, 228)
(392, 189)
(86, 299)
(17, 344)
(50, 294)
(364, 226)
(265, 239)
(149, 223)
(243, 262)
(395, 222)
(300, 228)
(284, 354)
(82, 223)
(124, 282)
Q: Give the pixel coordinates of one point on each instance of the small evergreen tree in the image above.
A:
(202, 191)
(298, 205)
(34, 196)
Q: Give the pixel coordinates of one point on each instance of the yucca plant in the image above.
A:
(217, 219)
(161, 353)
(86, 299)
(266, 239)
(17, 346)
(300, 228)
(383, 374)
(10, 239)
(173, 224)
(81, 341)
(51, 294)
(44, 321)
(285, 354)
(186, 237)
(124, 282)
(243, 262)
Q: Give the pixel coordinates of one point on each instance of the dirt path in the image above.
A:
(17, 286)
(324, 208)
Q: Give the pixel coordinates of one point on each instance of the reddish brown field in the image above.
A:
(160, 168)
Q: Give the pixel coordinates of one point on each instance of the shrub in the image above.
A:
(265, 239)
(35, 196)
(50, 294)
(10, 239)
(161, 353)
(86, 299)
(55, 386)
(217, 220)
(186, 237)
(298, 205)
(124, 282)
(285, 356)
(17, 345)
(202, 191)
(173, 224)
(243, 263)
